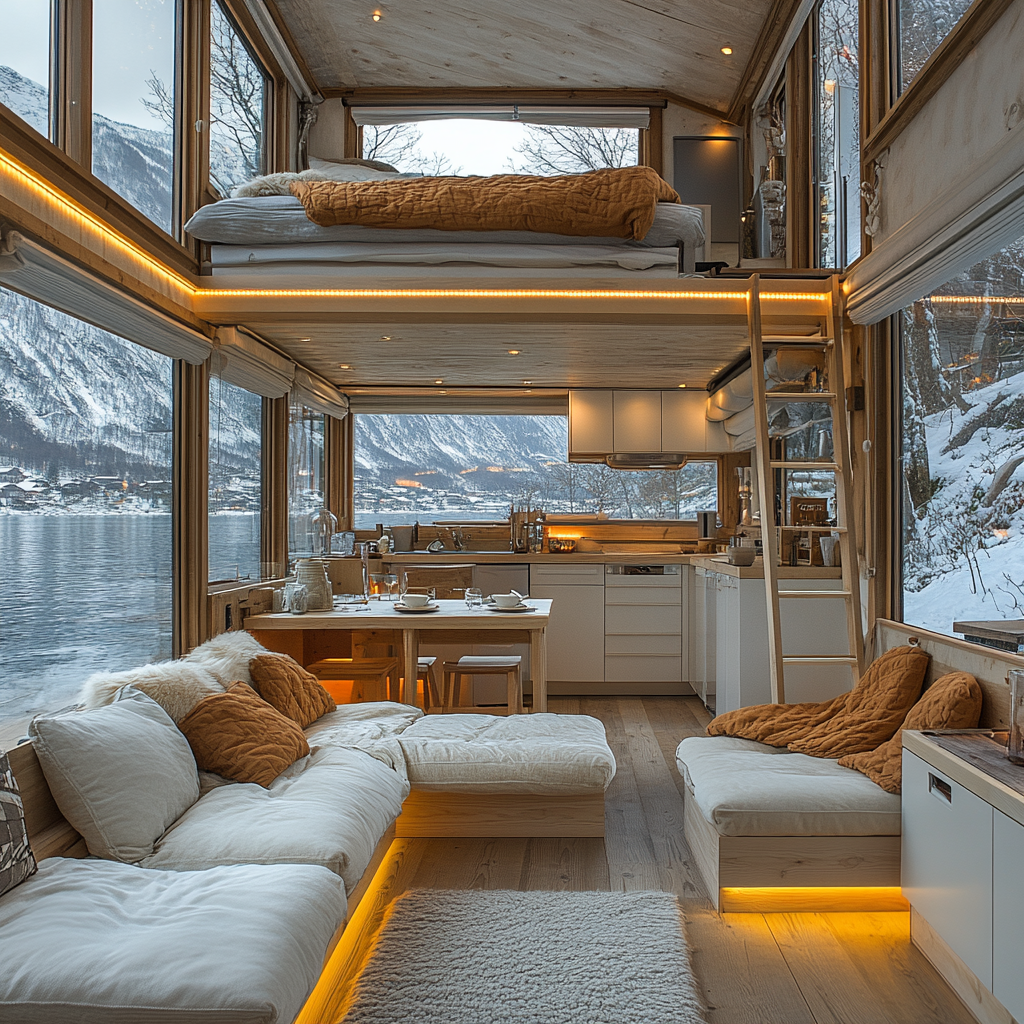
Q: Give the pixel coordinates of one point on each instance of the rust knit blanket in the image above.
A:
(617, 202)
(853, 722)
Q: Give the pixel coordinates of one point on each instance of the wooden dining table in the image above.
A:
(452, 623)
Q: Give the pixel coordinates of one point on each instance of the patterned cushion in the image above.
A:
(284, 684)
(16, 860)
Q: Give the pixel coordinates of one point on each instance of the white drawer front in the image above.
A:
(1008, 913)
(947, 861)
(570, 572)
(642, 595)
(669, 582)
(646, 669)
(663, 644)
(641, 619)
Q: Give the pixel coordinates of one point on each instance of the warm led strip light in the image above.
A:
(109, 236)
(971, 300)
(89, 220)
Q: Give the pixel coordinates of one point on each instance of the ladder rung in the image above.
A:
(833, 467)
(825, 529)
(818, 659)
(814, 593)
(800, 396)
(794, 339)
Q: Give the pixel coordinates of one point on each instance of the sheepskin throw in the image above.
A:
(239, 735)
(500, 957)
(617, 202)
(177, 686)
(284, 684)
(853, 722)
(952, 702)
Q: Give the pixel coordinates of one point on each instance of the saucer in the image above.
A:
(399, 607)
(517, 608)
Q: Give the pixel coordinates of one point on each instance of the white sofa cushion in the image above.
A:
(95, 942)
(540, 754)
(120, 773)
(745, 788)
(329, 808)
(372, 720)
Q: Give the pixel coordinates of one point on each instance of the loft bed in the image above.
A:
(265, 232)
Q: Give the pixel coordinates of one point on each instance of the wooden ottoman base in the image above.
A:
(437, 815)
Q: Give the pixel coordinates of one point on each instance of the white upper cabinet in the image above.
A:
(683, 423)
(636, 419)
(590, 422)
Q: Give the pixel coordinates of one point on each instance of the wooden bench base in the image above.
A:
(445, 815)
(765, 874)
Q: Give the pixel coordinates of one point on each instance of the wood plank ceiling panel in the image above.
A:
(477, 355)
(673, 45)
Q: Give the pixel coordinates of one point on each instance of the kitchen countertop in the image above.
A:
(719, 563)
(508, 558)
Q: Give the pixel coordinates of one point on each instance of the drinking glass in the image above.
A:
(1015, 741)
(390, 591)
(376, 586)
(474, 597)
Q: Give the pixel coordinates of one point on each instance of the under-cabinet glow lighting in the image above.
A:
(811, 898)
(682, 385)
(970, 300)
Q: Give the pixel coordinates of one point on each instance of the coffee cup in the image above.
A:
(416, 600)
(506, 600)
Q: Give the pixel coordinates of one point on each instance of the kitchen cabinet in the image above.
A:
(1007, 913)
(576, 627)
(590, 422)
(703, 625)
(643, 624)
(946, 867)
(636, 418)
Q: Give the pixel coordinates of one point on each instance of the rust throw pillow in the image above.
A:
(240, 736)
(952, 702)
(283, 683)
(873, 709)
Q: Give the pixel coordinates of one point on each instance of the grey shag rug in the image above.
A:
(472, 957)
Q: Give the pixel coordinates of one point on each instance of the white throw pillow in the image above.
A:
(121, 774)
(177, 686)
(227, 657)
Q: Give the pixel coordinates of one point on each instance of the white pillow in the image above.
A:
(177, 686)
(367, 170)
(277, 184)
(226, 657)
(122, 774)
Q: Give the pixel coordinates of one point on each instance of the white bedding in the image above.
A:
(448, 252)
(281, 220)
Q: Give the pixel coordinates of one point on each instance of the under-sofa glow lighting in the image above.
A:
(811, 898)
(89, 221)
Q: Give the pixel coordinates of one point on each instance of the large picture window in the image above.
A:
(25, 48)
(429, 467)
(133, 102)
(305, 475)
(923, 24)
(236, 482)
(239, 92)
(963, 447)
(837, 149)
(85, 505)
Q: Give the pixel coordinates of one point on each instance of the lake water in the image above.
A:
(80, 594)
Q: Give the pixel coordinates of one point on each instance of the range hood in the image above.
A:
(641, 429)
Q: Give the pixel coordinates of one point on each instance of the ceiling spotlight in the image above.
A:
(527, 381)
(682, 385)
(442, 392)
(376, 15)
(385, 337)
(344, 366)
(513, 351)
(727, 50)
(303, 340)
(439, 381)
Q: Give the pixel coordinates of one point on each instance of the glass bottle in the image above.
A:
(1015, 741)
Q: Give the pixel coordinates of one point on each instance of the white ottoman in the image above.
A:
(524, 775)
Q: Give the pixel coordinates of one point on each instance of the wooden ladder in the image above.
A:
(828, 342)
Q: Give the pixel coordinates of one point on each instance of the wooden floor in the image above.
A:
(753, 968)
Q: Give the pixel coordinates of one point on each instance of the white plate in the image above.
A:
(414, 611)
(517, 608)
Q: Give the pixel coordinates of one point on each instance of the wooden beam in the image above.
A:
(800, 222)
(289, 41)
(335, 474)
(948, 56)
(772, 35)
(274, 504)
(73, 93)
(190, 473)
(402, 96)
(654, 141)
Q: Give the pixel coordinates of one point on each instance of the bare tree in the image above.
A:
(399, 145)
(556, 149)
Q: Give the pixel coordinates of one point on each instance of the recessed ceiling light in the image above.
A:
(727, 50)
(385, 337)
(442, 392)
(344, 366)
(439, 381)
(682, 385)
(376, 15)
(303, 340)
(513, 351)
(527, 381)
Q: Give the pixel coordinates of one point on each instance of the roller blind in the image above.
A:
(572, 117)
(54, 281)
(317, 394)
(978, 214)
(458, 405)
(245, 361)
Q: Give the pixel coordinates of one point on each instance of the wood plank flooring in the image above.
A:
(753, 968)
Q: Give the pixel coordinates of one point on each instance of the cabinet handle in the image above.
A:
(940, 788)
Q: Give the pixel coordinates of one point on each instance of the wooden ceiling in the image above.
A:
(670, 45)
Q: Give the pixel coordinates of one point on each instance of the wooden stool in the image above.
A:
(427, 671)
(380, 672)
(471, 665)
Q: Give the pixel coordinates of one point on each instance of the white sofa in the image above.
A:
(205, 881)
